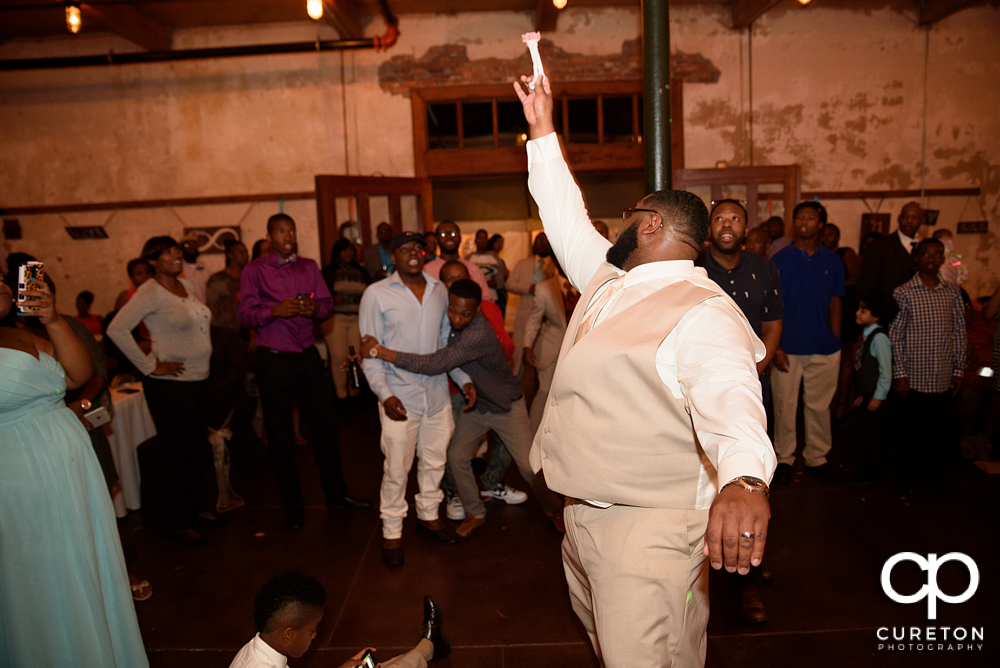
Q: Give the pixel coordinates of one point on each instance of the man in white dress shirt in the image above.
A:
(654, 427)
(193, 269)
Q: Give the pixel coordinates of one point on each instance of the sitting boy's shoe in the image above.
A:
(505, 493)
(432, 629)
(453, 508)
(392, 552)
(470, 524)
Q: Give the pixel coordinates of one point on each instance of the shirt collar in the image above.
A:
(273, 655)
(651, 271)
(905, 240)
(396, 279)
(869, 329)
(715, 263)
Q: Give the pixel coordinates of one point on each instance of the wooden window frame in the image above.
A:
(790, 176)
(501, 160)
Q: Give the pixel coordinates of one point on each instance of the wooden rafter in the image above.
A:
(745, 11)
(932, 11)
(344, 17)
(128, 22)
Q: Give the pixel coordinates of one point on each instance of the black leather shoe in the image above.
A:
(432, 629)
(190, 537)
(783, 474)
(295, 519)
(392, 553)
(211, 519)
(752, 609)
(437, 531)
(350, 502)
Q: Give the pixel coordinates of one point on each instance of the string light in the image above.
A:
(315, 9)
(73, 19)
(559, 4)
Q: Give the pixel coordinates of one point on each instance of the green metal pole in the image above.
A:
(656, 94)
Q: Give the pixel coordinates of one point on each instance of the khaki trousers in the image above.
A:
(639, 583)
(345, 333)
(423, 436)
(818, 373)
(412, 659)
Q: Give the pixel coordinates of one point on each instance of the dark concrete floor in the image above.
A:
(503, 593)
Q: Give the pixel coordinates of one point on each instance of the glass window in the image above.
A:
(511, 126)
(617, 120)
(442, 125)
(583, 121)
(477, 125)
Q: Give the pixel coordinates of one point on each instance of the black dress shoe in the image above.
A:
(437, 531)
(348, 501)
(752, 609)
(432, 629)
(190, 537)
(210, 519)
(392, 553)
(295, 519)
(783, 474)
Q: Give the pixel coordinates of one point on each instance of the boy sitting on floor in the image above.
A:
(287, 612)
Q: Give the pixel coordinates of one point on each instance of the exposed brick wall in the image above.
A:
(449, 65)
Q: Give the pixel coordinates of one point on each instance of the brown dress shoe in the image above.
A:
(752, 609)
(470, 524)
(392, 552)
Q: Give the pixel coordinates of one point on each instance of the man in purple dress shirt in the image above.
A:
(282, 296)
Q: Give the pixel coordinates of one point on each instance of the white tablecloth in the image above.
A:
(131, 426)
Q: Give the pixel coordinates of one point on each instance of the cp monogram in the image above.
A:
(930, 591)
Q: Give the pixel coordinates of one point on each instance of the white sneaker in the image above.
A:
(454, 509)
(505, 493)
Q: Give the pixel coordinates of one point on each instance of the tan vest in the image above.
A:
(612, 431)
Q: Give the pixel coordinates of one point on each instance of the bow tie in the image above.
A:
(291, 258)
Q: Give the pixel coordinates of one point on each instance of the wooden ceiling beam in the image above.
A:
(546, 16)
(932, 11)
(343, 16)
(745, 11)
(128, 22)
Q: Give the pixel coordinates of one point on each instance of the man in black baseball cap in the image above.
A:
(406, 312)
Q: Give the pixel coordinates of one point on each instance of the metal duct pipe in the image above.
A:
(656, 94)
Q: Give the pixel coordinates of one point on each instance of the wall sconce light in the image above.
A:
(73, 19)
(315, 9)
(559, 4)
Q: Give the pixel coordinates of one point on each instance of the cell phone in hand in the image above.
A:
(368, 660)
(304, 295)
(99, 416)
(30, 276)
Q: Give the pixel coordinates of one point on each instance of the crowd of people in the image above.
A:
(687, 325)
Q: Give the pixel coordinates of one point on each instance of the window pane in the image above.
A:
(511, 126)
(583, 121)
(477, 125)
(442, 125)
(556, 116)
(617, 119)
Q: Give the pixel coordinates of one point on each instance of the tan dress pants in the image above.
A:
(639, 583)
(412, 659)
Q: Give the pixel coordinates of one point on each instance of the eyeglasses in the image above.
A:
(627, 213)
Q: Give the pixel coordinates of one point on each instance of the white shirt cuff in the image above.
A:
(743, 463)
(543, 149)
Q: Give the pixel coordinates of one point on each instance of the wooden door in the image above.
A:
(751, 179)
(362, 189)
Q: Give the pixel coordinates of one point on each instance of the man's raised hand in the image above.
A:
(537, 105)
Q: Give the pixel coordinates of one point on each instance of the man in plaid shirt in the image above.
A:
(928, 362)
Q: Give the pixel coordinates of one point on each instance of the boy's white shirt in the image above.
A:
(258, 654)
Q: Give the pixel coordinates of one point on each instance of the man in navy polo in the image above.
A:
(812, 282)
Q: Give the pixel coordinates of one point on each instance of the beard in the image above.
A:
(737, 245)
(626, 244)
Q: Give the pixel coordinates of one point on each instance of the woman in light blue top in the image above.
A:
(64, 592)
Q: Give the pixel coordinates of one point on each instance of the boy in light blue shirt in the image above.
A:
(872, 379)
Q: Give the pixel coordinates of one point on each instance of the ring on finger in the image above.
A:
(746, 534)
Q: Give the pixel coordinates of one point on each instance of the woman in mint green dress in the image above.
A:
(64, 592)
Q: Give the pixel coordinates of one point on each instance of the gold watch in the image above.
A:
(750, 484)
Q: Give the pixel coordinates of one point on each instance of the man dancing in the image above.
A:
(654, 426)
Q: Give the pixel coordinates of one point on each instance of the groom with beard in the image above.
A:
(654, 426)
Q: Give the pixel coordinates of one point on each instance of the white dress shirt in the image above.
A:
(391, 313)
(709, 359)
(258, 654)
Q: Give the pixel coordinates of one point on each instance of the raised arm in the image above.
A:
(579, 248)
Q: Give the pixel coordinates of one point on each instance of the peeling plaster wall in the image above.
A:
(838, 91)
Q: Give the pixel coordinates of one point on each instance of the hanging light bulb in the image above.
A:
(559, 4)
(73, 19)
(315, 9)
(804, 2)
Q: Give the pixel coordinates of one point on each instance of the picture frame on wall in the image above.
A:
(875, 222)
(211, 239)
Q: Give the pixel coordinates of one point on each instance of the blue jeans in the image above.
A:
(499, 460)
